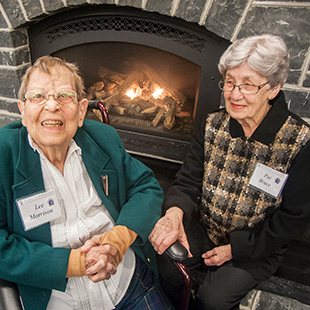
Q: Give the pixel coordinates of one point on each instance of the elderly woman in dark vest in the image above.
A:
(243, 191)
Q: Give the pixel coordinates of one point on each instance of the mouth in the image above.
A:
(51, 123)
(237, 106)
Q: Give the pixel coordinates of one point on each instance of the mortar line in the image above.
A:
(5, 17)
(43, 6)
(13, 49)
(23, 10)
(143, 4)
(174, 7)
(241, 21)
(289, 4)
(304, 69)
(205, 12)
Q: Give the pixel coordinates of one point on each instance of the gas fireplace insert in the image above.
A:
(157, 76)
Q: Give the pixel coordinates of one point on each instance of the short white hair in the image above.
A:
(267, 54)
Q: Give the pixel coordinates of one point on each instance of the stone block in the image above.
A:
(33, 8)
(3, 23)
(289, 23)
(307, 81)
(293, 77)
(102, 1)
(260, 300)
(299, 102)
(133, 3)
(287, 288)
(288, 1)
(224, 16)
(14, 38)
(9, 86)
(7, 118)
(15, 58)
(14, 12)
(10, 107)
(160, 6)
(76, 2)
(10, 81)
(54, 5)
(190, 10)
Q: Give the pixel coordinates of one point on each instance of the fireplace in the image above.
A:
(48, 27)
(147, 91)
(156, 75)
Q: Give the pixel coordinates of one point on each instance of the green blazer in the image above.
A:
(134, 200)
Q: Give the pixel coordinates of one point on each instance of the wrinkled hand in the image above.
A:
(218, 256)
(169, 229)
(99, 259)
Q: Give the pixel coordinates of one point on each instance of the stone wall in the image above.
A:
(226, 18)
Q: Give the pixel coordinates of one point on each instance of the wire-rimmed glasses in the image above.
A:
(246, 89)
(63, 96)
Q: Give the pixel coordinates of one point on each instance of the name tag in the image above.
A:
(268, 180)
(38, 209)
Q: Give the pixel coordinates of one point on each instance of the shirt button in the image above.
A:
(148, 260)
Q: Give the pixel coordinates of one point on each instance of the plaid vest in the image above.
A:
(228, 203)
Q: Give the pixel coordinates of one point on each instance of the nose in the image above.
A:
(235, 93)
(51, 104)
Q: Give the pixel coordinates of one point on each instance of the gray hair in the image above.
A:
(267, 54)
(44, 64)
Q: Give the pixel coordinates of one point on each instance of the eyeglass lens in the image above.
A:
(62, 96)
(243, 88)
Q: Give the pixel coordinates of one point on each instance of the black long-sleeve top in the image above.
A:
(280, 224)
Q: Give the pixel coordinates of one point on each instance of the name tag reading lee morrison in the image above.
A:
(268, 180)
(38, 209)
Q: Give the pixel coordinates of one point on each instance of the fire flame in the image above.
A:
(131, 93)
(135, 92)
(157, 92)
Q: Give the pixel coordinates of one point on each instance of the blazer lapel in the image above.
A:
(97, 165)
(29, 182)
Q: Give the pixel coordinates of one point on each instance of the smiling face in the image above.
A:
(52, 125)
(248, 110)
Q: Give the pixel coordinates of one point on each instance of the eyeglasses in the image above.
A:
(63, 96)
(247, 89)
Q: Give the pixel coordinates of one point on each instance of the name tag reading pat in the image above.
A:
(38, 209)
(268, 180)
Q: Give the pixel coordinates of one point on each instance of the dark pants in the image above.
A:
(144, 291)
(217, 287)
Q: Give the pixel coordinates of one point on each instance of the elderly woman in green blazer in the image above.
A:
(75, 209)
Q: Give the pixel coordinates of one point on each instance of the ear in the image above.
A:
(21, 107)
(274, 91)
(83, 104)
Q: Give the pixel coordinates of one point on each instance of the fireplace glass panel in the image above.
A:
(145, 89)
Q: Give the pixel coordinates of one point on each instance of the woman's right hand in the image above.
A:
(100, 259)
(100, 262)
(168, 230)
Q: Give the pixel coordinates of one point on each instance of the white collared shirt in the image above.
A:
(83, 216)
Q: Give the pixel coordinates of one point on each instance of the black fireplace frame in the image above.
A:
(107, 23)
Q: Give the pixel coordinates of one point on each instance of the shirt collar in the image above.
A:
(270, 125)
(73, 147)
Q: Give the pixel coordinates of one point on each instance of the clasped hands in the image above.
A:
(170, 229)
(104, 252)
(100, 260)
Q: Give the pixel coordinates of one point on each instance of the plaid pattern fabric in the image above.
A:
(228, 203)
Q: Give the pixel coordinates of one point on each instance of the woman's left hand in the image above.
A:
(100, 262)
(218, 256)
(99, 259)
